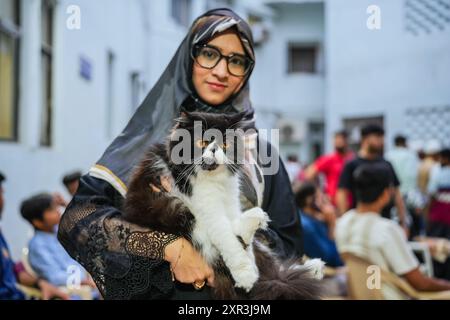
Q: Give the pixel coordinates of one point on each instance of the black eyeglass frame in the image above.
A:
(198, 47)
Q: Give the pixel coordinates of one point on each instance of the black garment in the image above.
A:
(346, 180)
(126, 261)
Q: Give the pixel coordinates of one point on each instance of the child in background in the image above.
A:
(46, 255)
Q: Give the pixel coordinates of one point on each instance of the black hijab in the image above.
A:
(172, 93)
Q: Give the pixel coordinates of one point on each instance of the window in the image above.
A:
(426, 17)
(110, 79)
(9, 68)
(135, 91)
(316, 137)
(424, 123)
(46, 72)
(302, 59)
(181, 12)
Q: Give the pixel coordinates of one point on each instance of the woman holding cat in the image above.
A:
(209, 73)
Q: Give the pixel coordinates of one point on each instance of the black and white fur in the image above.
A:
(203, 205)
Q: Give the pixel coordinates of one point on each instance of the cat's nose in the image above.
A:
(214, 148)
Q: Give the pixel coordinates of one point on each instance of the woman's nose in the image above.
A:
(221, 70)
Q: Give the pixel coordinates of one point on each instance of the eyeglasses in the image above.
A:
(208, 57)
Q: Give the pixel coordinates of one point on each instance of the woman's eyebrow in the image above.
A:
(231, 53)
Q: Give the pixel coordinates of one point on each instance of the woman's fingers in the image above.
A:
(155, 189)
(191, 275)
(190, 266)
(210, 280)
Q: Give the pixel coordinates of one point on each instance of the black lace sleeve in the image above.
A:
(125, 260)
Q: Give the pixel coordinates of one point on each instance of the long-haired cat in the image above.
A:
(203, 205)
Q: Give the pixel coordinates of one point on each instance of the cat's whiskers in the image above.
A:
(184, 173)
(190, 174)
(187, 173)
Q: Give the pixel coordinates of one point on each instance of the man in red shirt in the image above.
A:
(331, 165)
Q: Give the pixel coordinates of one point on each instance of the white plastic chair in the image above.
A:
(424, 251)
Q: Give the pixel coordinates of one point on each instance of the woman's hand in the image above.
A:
(187, 265)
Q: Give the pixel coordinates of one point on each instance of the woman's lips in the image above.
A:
(216, 86)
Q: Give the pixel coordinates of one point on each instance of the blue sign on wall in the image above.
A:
(85, 68)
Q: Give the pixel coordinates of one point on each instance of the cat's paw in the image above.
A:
(246, 277)
(256, 218)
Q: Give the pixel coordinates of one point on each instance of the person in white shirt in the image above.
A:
(293, 167)
(405, 163)
(406, 166)
(363, 232)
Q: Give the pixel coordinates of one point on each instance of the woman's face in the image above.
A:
(215, 86)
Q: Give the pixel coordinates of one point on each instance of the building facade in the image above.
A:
(397, 75)
(71, 75)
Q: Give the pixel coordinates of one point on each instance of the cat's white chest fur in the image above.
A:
(215, 197)
(219, 222)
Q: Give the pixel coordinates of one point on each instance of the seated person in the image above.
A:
(11, 274)
(46, 255)
(439, 190)
(365, 233)
(439, 208)
(318, 220)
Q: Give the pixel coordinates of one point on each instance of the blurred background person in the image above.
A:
(439, 209)
(439, 191)
(12, 274)
(46, 255)
(370, 152)
(431, 159)
(406, 165)
(331, 165)
(365, 233)
(318, 221)
(293, 167)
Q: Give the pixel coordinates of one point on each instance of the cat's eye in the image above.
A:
(202, 143)
(225, 145)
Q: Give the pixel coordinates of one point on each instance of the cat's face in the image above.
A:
(210, 142)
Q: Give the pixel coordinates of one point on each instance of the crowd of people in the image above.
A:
(374, 206)
(46, 266)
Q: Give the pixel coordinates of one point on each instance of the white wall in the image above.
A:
(272, 85)
(384, 71)
(296, 96)
(143, 37)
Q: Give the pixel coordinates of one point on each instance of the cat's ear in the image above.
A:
(183, 118)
